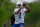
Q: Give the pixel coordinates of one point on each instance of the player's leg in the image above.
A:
(21, 25)
(14, 25)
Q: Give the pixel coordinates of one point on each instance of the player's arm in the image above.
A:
(28, 9)
(17, 11)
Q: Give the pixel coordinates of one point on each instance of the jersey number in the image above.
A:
(20, 15)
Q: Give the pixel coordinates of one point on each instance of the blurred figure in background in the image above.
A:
(4, 23)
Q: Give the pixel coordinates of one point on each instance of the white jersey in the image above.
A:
(19, 18)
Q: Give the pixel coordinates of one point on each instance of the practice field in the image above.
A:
(32, 19)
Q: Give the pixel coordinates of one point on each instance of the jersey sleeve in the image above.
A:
(25, 9)
(15, 10)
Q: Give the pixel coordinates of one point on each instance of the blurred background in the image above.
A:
(32, 19)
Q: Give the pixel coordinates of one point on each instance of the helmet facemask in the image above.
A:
(19, 4)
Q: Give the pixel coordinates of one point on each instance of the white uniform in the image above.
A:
(19, 18)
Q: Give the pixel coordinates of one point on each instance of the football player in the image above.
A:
(19, 14)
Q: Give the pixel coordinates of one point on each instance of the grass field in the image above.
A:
(32, 19)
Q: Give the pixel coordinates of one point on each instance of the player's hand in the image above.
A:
(26, 5)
